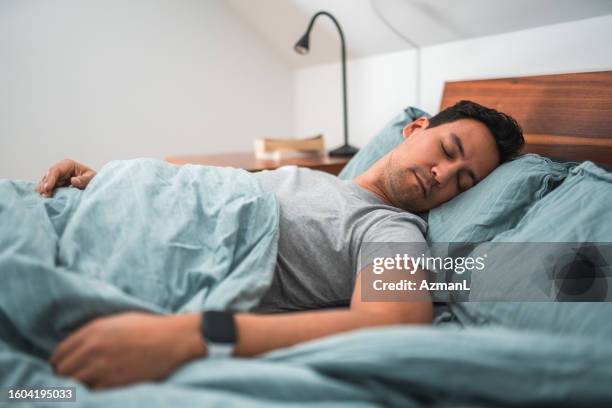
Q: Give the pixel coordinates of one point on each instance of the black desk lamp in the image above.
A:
(301, 47)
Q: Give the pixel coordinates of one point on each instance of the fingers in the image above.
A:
(45, 188)
(87, 375)
(39, 186)
(81, 181)
(51, 182)
(78, 182)
(88, 175)
(66, 347)
(55, 177)
(64, 173)
(68, 365)
(75, 356)
(78, 357)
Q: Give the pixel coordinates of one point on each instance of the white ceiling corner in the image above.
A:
(283, 22)
(429, 22)
(424, 22)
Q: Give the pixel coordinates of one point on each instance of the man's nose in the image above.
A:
(444, 172)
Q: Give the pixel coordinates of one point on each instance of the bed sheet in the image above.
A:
(406, 366)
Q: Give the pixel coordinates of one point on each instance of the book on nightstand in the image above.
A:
(278, 149)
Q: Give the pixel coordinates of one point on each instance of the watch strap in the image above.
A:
(220, 350)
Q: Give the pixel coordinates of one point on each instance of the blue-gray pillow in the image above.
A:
(578, 211)
(384, 141)
(498, 202)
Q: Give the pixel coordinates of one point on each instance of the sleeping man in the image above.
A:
(323, 223)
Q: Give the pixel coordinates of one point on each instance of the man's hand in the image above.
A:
(64, 173)
(127, 348)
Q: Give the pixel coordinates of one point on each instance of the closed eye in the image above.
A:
(467, 183)
(448, 156)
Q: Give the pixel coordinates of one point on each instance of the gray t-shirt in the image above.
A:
(323, 222)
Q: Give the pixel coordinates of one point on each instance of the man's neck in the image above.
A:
(371, 180)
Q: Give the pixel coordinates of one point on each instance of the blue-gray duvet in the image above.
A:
(150, 236)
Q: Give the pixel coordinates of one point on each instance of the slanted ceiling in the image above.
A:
(422, 22)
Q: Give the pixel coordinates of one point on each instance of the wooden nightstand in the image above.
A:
(247, 161)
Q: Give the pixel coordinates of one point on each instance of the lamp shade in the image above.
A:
(302, 46)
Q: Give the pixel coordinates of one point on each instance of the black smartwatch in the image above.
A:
(219, 332)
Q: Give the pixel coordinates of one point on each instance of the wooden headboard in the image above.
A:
(563, 116)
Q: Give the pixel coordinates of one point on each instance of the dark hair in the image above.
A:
(506, 131)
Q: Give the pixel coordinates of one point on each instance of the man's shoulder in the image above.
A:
(397, 226)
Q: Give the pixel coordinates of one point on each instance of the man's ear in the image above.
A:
(420, 123)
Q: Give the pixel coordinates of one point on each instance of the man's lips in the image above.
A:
(421, 183)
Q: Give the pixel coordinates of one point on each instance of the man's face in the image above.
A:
(431, 166)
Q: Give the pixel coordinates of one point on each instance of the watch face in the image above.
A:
(219, 327)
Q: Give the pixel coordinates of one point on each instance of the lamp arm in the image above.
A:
(325, 13)
(342, 43)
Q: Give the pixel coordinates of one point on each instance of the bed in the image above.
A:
(477, 353)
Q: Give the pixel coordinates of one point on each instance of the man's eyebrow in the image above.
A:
(459, 145)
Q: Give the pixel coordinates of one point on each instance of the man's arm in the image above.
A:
(261, 333)
(131, 347)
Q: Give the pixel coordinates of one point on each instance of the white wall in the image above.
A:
(103, 80)
(113, 79)
(377, 88)
(380, 86)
